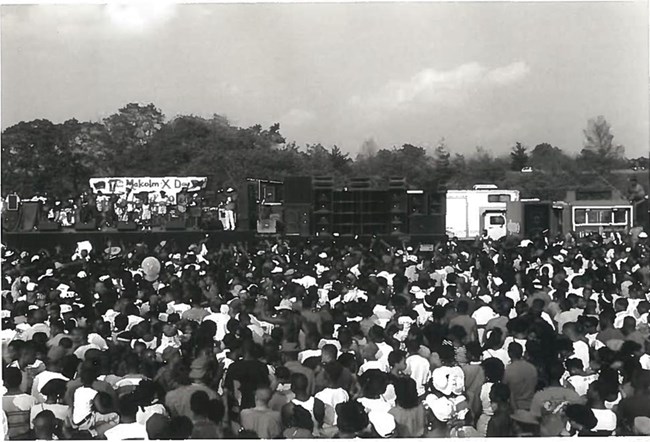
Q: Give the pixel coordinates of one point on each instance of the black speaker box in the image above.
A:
(48, 226)
(126, 227)
(537, 218)
(297, 190)
(297, 219)
(176, 224)
(85, 227)
(427, 224)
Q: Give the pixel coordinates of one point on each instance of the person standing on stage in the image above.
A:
(230, 209)
(162, 200)
(101, 204)
(146, 214)
(182, 201)
(130, 198)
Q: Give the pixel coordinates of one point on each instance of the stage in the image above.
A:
(68, 239)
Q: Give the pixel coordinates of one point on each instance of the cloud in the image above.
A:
(432, 86)
(297, 117)
(139, 15)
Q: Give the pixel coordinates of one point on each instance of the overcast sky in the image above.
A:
(484, 74)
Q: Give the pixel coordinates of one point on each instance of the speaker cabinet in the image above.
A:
(537, 218)
(427, 225)
(297, 219)
(298, 190)
(85, 227)
(48, 226)
(268, 226)
(176, 224)
(126, 227)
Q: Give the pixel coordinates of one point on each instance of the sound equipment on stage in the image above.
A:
(12, 202)
(267, 226)
(398, 205)
(537, 218)
(48, 226)
(359, 183)
(86, 227)
(298, 190)
(297, 219)
(176, 224)
(323, 217)
(126, 227)
(247, 208)
(427, 224)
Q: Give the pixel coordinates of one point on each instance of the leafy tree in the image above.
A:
(518, 157)
(86, 149)
(340, 162)
(368, 149)
(551, 159)
(34, 159)
(444, 171)
(599, 151)
(131, 128)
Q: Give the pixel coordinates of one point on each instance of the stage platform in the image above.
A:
(99, 239)
(68, 239)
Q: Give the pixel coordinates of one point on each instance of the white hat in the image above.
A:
(66, 308)
(35, 258)
(322, 255)
(485, 298)
(448, 380)
(97, 340)
(277, 270)
(497, 281)
(643, 235)
(285, 304)
(525, 243)
(230, 189)
(417, 292)
(31, 287)
(382, 422)
(82, 274)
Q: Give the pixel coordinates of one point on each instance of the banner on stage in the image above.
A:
(171, 185)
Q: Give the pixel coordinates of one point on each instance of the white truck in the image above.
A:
(471, 213)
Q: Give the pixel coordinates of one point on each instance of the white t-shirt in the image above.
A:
(143, 415)
(41, 379)
(501, 353)
(376, 405)
(606, 420)
(331, 397)
(581, 383)
(127, 431)
(419, 369)
(645, 361)
(485, 398)
(581, 351)
(221, 320)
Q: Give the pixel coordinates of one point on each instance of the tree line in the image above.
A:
(40, 156)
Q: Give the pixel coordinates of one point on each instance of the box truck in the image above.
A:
(481, 210)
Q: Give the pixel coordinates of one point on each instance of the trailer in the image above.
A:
(479, 211)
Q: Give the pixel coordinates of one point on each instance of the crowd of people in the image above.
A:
(533, 337)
